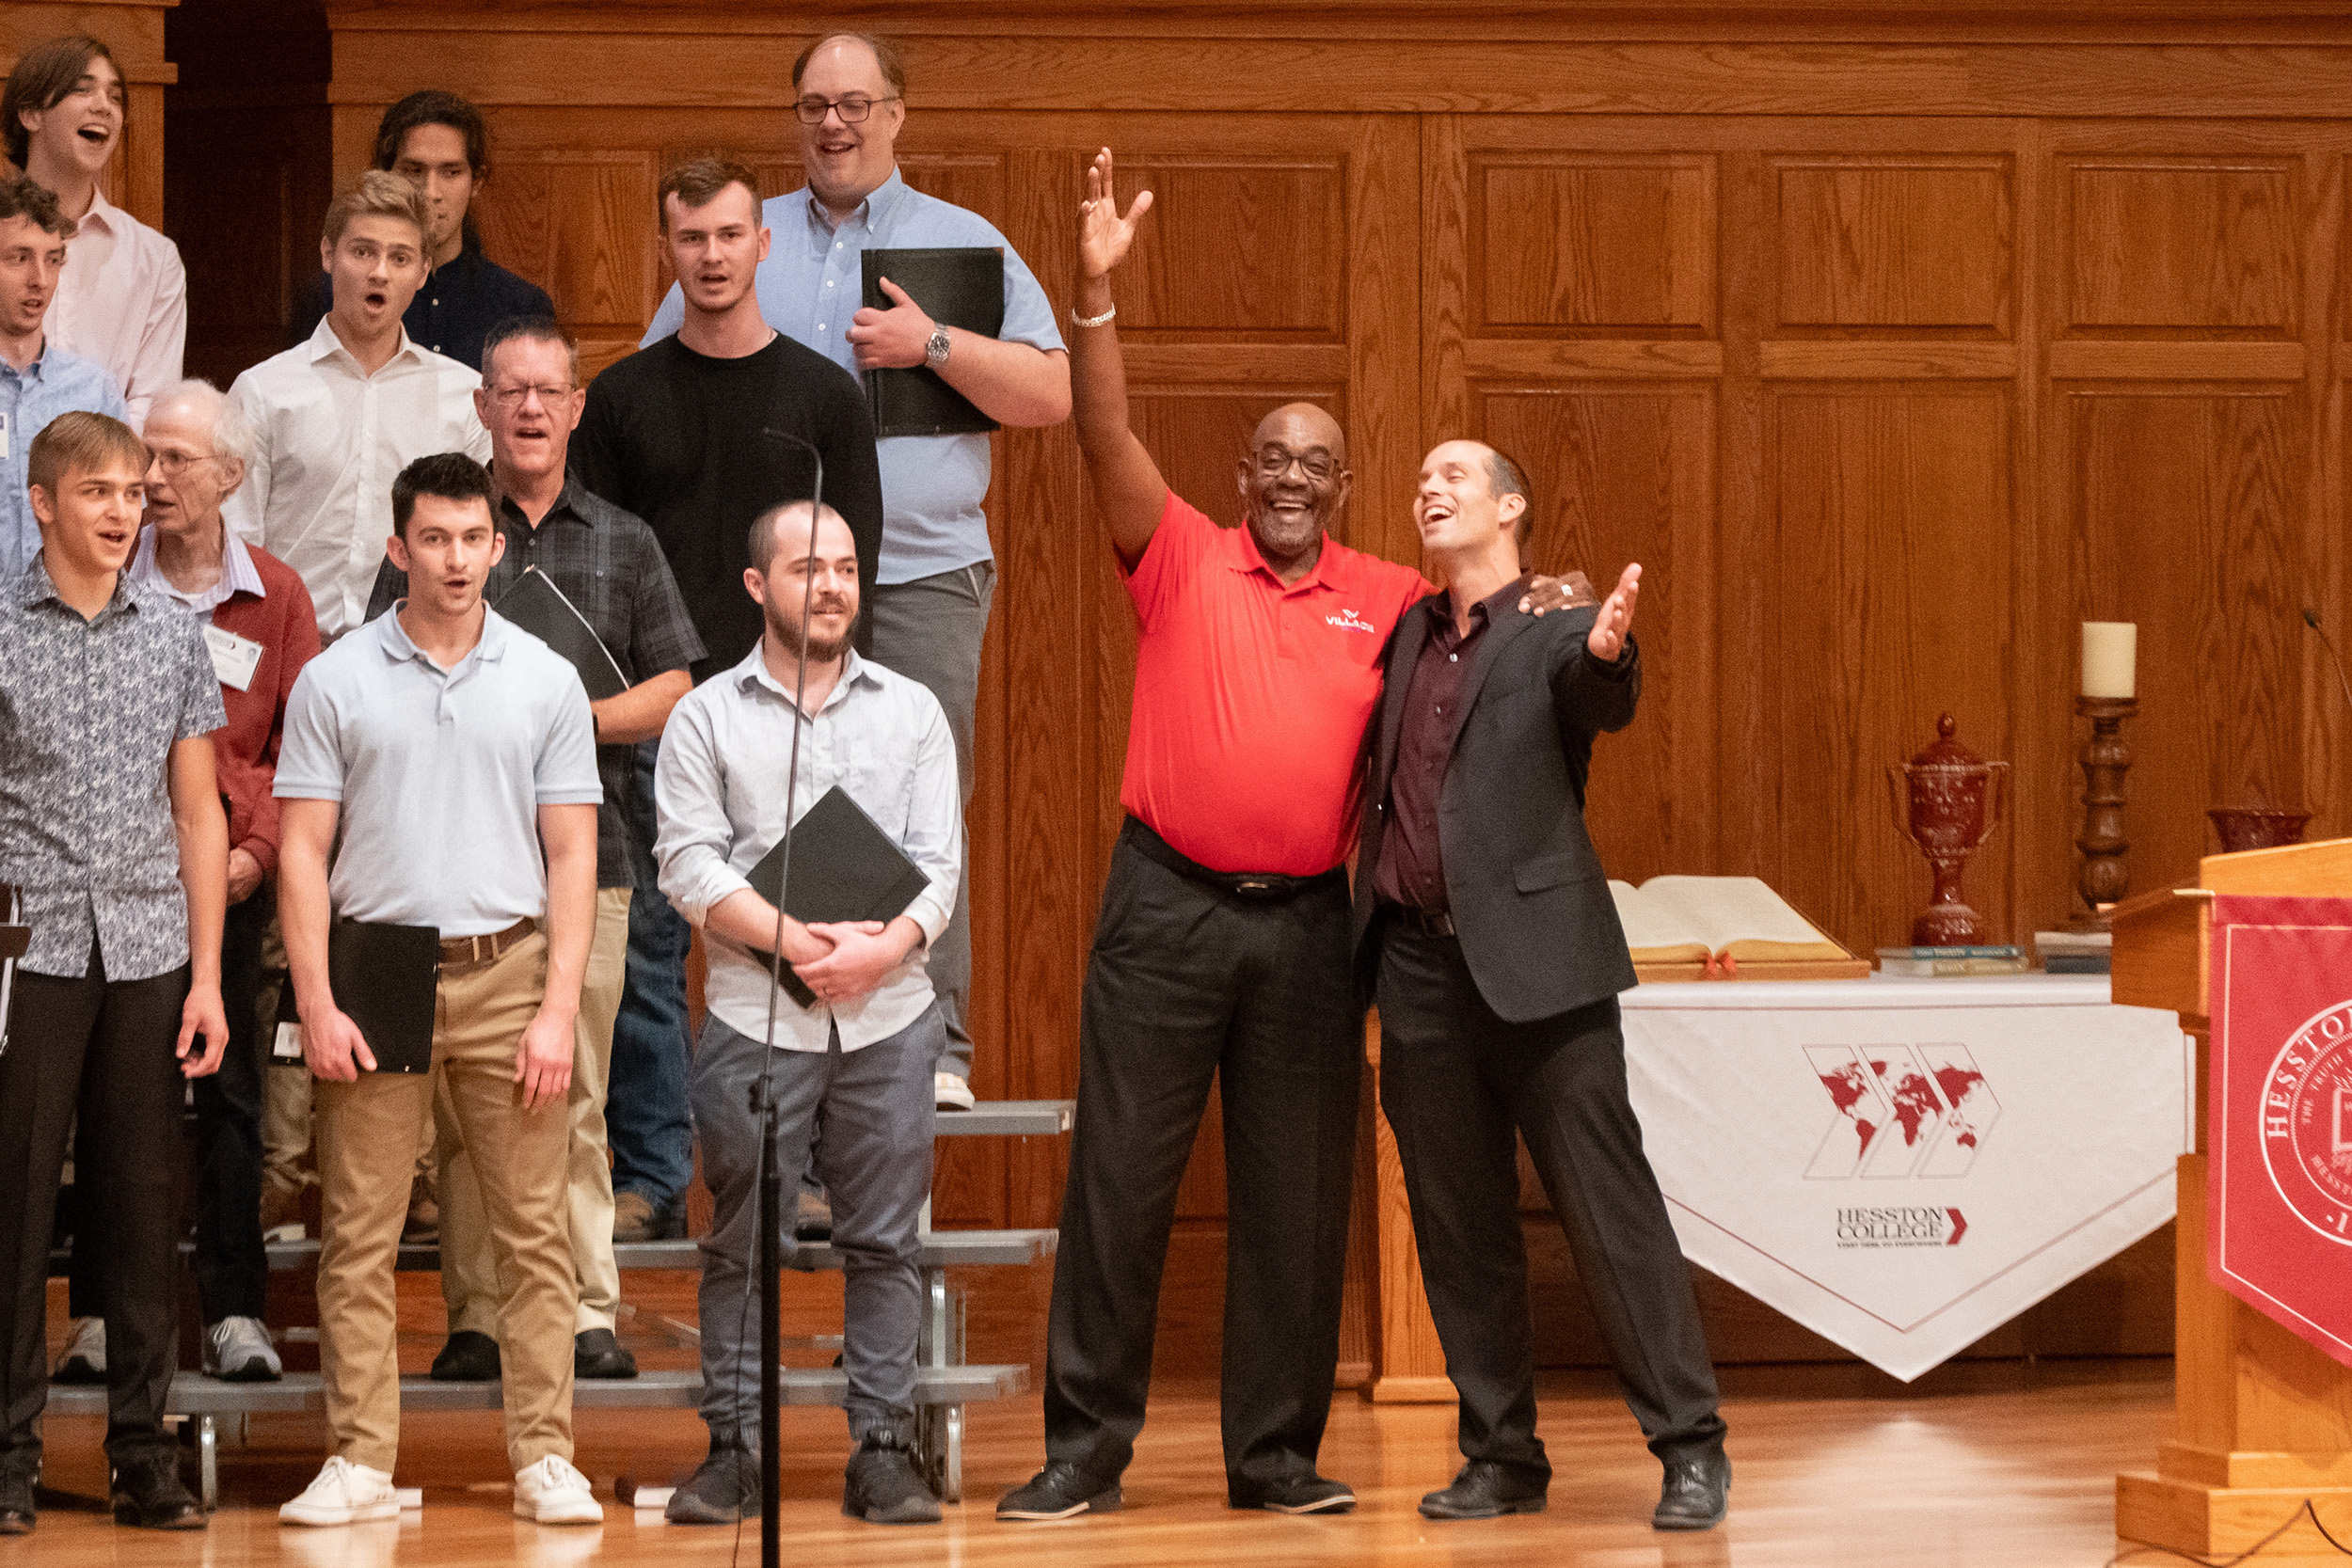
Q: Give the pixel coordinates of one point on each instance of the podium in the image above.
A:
(2262, 1419)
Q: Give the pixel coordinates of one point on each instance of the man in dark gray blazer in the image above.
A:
(1485, 932)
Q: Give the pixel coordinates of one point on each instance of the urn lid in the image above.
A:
(1947, 751)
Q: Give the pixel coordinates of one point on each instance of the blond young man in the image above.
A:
(111, 830)
(457, 756)
(337, 416)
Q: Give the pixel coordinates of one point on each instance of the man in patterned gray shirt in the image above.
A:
(111, 829)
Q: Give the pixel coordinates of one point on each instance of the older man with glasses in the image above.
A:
(607, 562)
(930, 602)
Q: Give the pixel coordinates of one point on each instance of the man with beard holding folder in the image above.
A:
(1485, 926)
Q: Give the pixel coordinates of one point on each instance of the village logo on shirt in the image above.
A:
(1347, 620)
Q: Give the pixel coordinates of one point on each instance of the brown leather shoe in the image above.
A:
(424, 1226)
(147, 1494)
(281, 1213)
(634, 1218)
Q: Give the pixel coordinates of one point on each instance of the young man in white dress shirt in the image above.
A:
(449, 763)
(338, 416)
(859, 1059)
(124, 299)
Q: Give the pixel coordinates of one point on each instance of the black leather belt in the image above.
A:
(1260, 887)
(1429, 922)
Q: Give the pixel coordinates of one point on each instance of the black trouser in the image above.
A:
(231, 1263)
(101, 1051)
(1456, 1080)
(1186, 981)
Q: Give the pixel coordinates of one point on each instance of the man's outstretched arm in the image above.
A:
(1128, 489)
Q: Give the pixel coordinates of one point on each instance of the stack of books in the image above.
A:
(2075, 952)
(1949, 961)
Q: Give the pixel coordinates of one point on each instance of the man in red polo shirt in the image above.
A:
(1222, 945)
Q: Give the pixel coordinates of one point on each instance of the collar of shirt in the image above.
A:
(32, 371)
(238, 574)
(35, 587)
(873, 213)
(567, 503)
(324, 344)
(394, 639)
(1483, 613)
(753, 671)
(104, 214)
(1246, 558)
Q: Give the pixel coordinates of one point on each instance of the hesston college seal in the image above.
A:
(2307, 1123)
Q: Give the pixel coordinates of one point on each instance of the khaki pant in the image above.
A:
(365, 1132)
(468, 1275)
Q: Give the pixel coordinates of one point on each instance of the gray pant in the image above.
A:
(873, 1108)
(930, 630)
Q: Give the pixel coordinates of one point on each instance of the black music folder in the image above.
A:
(959, 286)
(386, 979)
(538, 607)
(844, 868)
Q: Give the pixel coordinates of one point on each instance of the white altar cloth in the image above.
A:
(1902, 1166)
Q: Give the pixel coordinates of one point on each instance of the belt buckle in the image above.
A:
(1253, 885)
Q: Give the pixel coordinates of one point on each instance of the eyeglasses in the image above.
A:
(1273, 462)
(174, 463)
(852, 108)
(515, 397)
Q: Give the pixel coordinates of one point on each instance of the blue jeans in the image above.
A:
(646, 1113)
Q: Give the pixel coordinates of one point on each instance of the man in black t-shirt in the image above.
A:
(698, 434)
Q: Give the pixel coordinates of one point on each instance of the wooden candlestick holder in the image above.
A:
(2106, 758)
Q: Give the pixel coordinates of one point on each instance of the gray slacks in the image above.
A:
(867, 1115)
(930, 630)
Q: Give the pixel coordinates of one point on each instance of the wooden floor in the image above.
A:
(1982, 1465)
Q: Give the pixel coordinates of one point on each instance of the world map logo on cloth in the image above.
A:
(1902, 1110)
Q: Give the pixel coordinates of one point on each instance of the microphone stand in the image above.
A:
(771, 1204)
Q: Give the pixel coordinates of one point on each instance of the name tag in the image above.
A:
(287, 1046)
(5, 428)
(234, 657)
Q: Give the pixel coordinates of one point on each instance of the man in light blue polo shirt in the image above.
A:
(930, 600)
(453, 758)
(38, 380)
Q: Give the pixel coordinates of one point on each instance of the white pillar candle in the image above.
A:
(2110, 658)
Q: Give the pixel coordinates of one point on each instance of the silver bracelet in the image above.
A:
(1077, 319)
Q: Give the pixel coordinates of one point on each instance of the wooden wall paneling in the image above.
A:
(2207, 247)
(576, 223)
(1893, 244)
(1890, 526)
(2188, 506)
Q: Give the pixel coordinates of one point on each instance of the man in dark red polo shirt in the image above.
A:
(1222, 945)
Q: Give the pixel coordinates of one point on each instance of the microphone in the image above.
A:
(768, 1207)
(2310, 619)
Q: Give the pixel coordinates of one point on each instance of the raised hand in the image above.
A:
(1615, 621)
(1103, 236)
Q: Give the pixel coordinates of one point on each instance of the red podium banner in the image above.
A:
(2279, 1109)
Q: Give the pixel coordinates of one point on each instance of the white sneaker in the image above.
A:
(240, 1350)
(950, 1092)
(344, 1494)
(553, 1492)
(84, 1358)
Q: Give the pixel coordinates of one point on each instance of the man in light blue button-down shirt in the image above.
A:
(930, 598)
(38, 380)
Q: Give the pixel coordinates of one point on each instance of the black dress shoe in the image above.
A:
(469, 1358)
(1304, 1493)
(1696, 1496)
(16, 1505)
(596, 1354)
(1059, 1491)
(1483, 1489)
(147, 1494)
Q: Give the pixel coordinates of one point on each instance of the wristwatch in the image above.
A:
(935, 352)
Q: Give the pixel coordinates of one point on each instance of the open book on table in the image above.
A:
(1724, 927)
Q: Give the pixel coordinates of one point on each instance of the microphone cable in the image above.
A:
(2310, 619)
